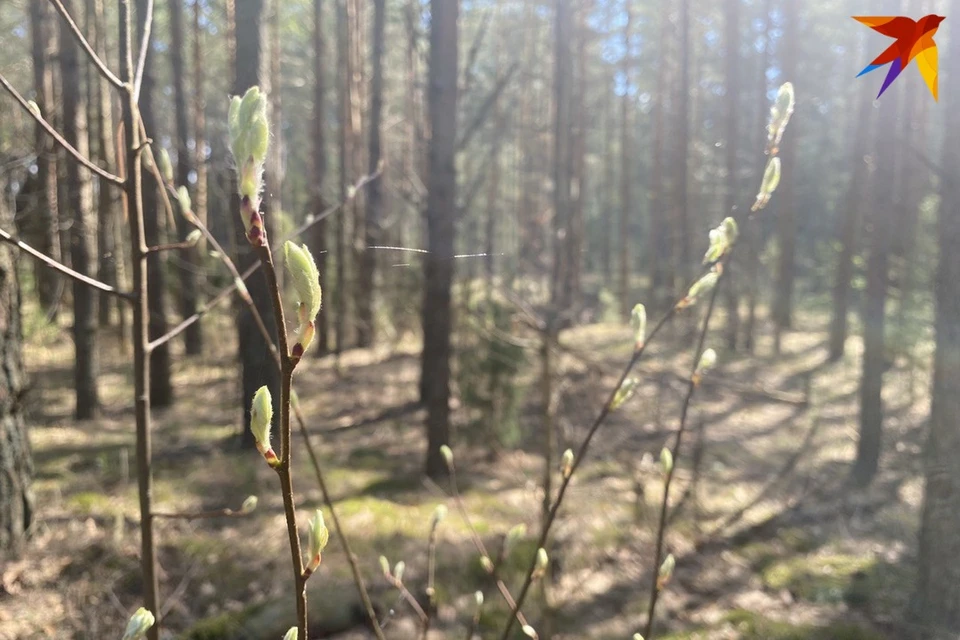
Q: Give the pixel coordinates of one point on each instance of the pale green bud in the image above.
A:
(291, 634)
(638, 322)
(731, 228)
(624, 393)
(700, 287)
(138, 625)
(398, 570)
(666, 570)
(666, 461)
(447, 454)
(771, 180)
(194, 236)
(721, 240)
(261, 414)
(439, 514)
(486, 563)
(319, 534)
(385, 565)
(34, 108)
(708, 360)
(478, 597)
(304, 275)
(183, 197)
(163, 163)
(530, 631)
(566, 463)
(637, 636)
(780, 114)
(542, 560)
(249, 138)
(249, 505)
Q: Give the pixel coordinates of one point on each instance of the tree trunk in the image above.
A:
(368, 265)
(259, 368)
(626, 173)
(318, 239)
(345, 154)
(849, 222)
(161, 391)
(682, 235)
(82, 230)
(732, 43)
(560, 292)
(880, 218)
(658, 250)
(16, 464)
(935, 608)
(786, 205)
(441, 229)
(355, 72)
(47, 236)
(193, 336)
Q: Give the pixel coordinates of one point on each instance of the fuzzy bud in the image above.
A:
(566, 463)
(486, 563)
(624, 393)
(666, 461)
(319, 535)
(306, 282)
(699, 288)
(163, 163)
(530, 631)
(194, 237)
(439, 514)
(249, 505)
(542, 561)
(138, 625)
(183, 198)
(708, 360)
(398, 570)
(780, 114)
(261, 415)
(478, 598)
(637, 636)
(638, 322)
(771, 180)
(666, 571)
(447, 454)
(34, 108)
(385, 565)
(291, 634)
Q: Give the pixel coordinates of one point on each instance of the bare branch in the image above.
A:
(186, 244)
(144, 47)
(94, 58)
(53, 264)
(106, 175)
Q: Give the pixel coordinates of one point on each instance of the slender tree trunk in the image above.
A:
(658, 249)
(16, 463)
(318, 238)
(345, 155)
(682, 236)
(935, 608)
(849, 223)
(609, 181)
(874, 309)
(259, 368)
(441, 229)
(193, 336)
(753, 231)
(274, 175)
(563, 91)
(579, 159)
(786, 205)
(732, 61)
(374, 209)
(82, 229)
(491, 243)
(626, 171)
(161, 391)
(43, 36)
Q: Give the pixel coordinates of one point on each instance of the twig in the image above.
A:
(186, 244)
(406, 595)
(692, 385)
(53, 264)
(144, 49)
(83, 160)
(91, 54)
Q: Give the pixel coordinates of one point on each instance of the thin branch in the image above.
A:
(186, 244)
(406, 595)
(53, 264)
(144, 48)
(94, 58)
(83, 160)
(692, 385)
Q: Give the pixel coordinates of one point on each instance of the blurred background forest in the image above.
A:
(488, 187)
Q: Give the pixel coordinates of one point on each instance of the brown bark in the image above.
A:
(16, 463)
(47, 235)
(318, 239)
(193, 336)
(362, 298)
(441, 229)
(82, 229)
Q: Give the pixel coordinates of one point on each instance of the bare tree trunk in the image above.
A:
(658, 250)
(43, 36)
(732, 62)
(560, 293)
(849, 222)
(441, 229)
(82, 230)
(786, 205)
(345, 155)
(626, 172)
(682, 235)
(16, 463)
(259, 368)
(493, 186)
(318, 238)
(193, 336)
(935, 607)
(579, 160)
(161, 391)
(362, 297)
(368, 265)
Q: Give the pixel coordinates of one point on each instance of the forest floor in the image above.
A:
(770, 542)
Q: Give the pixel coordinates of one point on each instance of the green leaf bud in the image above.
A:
(566, 463)
(261, 415)
(34, 108)
(138, 625)
(194, 237)
(305, 276)
(385, 565)
(624, 393)
(183, 198)
(447, 454)
(771, 179)
(291, 634)
(666, 570)
(638, 322)
(249, 505)
(398, 570)
(163, 163)
(530, 631)
(666, 461)
(439, 514)
(700, 287)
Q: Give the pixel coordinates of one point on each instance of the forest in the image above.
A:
(506, 319)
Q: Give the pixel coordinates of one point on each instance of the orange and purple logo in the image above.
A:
(914, 40)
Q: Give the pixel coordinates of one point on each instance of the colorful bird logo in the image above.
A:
(914, 40)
